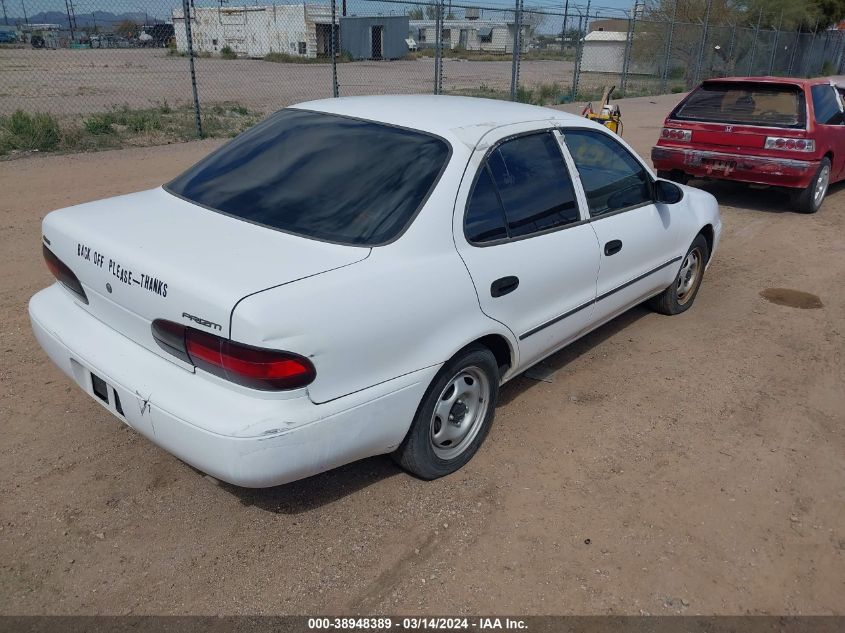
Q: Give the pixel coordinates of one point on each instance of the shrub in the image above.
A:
(227, 53)
(99, 124)
(25, 131)
(828, 68)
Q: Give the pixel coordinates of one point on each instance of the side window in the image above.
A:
(533, 184)
(612, 178)
(826, 105)
(485, 220)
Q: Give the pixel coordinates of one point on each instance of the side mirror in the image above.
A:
(667, 192)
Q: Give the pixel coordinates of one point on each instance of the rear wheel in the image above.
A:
(454, 416)
(680, 295)
(809, 199)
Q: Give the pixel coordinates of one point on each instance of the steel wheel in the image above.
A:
(822, 182)
(690, 275)
(459, 412)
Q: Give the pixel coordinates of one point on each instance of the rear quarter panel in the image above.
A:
(411, 304)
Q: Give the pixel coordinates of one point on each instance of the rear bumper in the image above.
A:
(246, 439)
(763, 170)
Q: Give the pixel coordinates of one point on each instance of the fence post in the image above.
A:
(629, 41)
(794, 49)
(333, 50)
(775, 45)
(186, 14)
(809, 54)
(517, 45)
(664, 80)
(438, 42)
(563, 27)
(731, 65)
(703, 48)
(576, 75)
(754, 43)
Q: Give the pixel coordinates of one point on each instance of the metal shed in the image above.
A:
(374, 37)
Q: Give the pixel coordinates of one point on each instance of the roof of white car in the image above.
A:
(467, 118)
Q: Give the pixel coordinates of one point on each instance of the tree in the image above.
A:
(127, 29)
(795, 14)
(830, 12)
(415, 14)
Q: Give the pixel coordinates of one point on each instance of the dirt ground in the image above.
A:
(67, 81)
(691, 464)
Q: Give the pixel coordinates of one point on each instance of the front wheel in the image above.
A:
(680, 295)
(454, 416)
(809, 199)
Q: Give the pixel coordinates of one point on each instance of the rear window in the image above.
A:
(321, 176)
(746, 104)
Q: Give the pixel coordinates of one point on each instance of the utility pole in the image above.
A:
(68, 5)
(5, 17)
(25, 19)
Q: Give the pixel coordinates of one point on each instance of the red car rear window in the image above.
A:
(746, 103)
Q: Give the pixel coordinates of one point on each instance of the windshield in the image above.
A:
(321, 176)
(745, 103)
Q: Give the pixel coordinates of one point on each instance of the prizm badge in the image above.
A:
(729, 128)
(202, 322)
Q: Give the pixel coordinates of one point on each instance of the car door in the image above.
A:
(520, 231)
(638, 238)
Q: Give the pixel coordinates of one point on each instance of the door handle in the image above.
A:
(612, 247)
(503, 286)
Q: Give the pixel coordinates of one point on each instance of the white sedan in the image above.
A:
(358, 276)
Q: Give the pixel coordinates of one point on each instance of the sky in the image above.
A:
(161, 8)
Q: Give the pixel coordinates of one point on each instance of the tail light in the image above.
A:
(256, 367)
(64, 274)
(674, 134)
(790, 144)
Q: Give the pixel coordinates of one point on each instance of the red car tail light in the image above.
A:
(256, 367)
(64, 274)
(675, 134)
(790, 144)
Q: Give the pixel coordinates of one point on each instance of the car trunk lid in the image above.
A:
(152, 255)
(731, 137)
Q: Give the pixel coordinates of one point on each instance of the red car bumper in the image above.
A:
(763, 170)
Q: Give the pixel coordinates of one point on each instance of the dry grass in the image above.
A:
(118, 127)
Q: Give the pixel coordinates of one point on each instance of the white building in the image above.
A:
(604, 52)
(494, 36)
(255, 31)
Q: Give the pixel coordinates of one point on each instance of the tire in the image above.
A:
(436, 446)
(680, 295)
(810, 199)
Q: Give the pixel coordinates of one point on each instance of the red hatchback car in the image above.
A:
(775, 131)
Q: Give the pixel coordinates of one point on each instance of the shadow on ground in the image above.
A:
(323, 489)
(744, 198)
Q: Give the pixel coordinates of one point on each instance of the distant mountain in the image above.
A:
(103, 19)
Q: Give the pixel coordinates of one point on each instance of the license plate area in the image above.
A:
(107, 394)
(100, 388)
(719, 165)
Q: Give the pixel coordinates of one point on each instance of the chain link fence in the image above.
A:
(137, 71)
